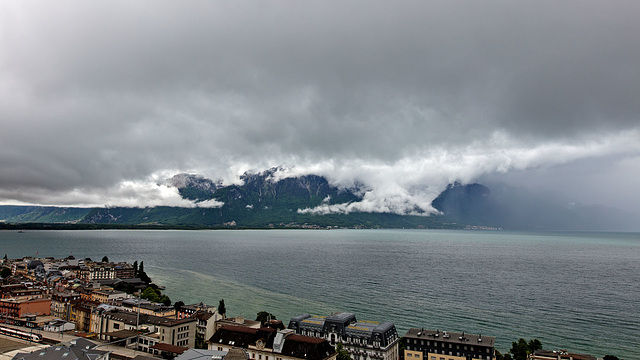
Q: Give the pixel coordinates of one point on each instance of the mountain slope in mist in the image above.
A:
(516, 208)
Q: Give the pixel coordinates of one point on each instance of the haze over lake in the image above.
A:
(576, 291)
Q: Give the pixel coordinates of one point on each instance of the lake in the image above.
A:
(575, 291)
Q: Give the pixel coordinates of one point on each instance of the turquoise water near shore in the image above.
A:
(575, 291)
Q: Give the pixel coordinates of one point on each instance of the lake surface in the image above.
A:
(575, 291)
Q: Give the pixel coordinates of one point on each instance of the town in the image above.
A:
(97, 310)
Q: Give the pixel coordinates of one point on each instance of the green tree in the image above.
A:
(135, 268)
(520, 349)
(610, 357)
(164, 299)
(264, 316)
(105, 259)
(343, 354)
(534, 345)
(150, 294)
(222, 310)
(5, 273)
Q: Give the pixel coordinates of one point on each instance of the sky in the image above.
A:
(102, 101)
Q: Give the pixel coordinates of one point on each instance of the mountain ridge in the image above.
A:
(263, 201)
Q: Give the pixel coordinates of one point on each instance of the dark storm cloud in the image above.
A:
(402, 96)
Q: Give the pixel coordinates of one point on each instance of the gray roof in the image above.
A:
(83, 349)
(201, 354)
(131, 318)
(236, 354)
(451, 337)
(347, 324)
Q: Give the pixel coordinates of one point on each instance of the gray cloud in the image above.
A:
(402, 97)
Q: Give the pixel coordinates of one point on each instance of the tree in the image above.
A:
(5, 273)
(5, 257)
(521, 349)
(610, 357)
(222, 310)
(143, 275)
(343, 354)
(534, 345)
(264, 316)
(178, 305)
(135, 268)
(105, 259)
(150, 294)
(164, 299)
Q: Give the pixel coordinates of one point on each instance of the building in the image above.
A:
(271, 344)
(17, 308)
(205, 328)
(155, 330)
(421, 344)
(61, 304)
(59, 326)
(95, 271)
(107, 296)
(237, 321)
(81, 314)
(79, 349)
(189, 310)
(123, 270)
(147, 307)
(559, 355)
(364, 340)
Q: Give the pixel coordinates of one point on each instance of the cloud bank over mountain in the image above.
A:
(102, 102)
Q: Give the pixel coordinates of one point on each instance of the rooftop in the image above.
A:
(450, 337)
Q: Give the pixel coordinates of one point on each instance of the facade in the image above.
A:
(93, 271)
(81, 314)
(271, 344)
(17, 308)
(157, 330)
(205, 326)
(123, 271)
(148, 308)
(107, 296)
(59, 326)
(421, 344)
(364, 340)
(61, 304)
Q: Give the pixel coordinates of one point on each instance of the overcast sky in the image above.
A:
(100, 101)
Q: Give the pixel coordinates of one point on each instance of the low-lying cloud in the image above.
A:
(99, 102)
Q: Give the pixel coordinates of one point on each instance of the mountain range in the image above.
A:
(263, 201)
